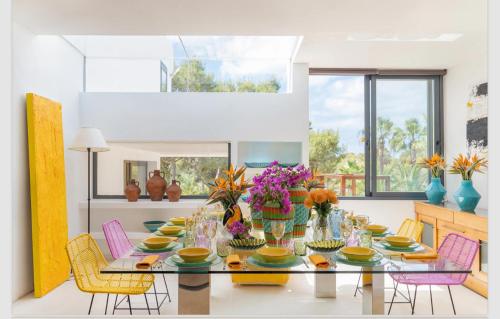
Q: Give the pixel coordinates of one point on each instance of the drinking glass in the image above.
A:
(365, 238)
(299, 247)
(278, 230)
(210, 230)
(362, 221)
(346, 230)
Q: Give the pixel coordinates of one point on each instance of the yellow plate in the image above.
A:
(399, 241)
(194, 254)
(358, 253)
(274, 254)
(157, 242)
(376, 229)
(178, 221)
(170, 230)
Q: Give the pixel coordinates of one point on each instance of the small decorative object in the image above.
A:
(156, 185)
(466, 196)
(435, 191)
(132, 191)
(325, 245)
(174, 191)
(227, 191)
(335, 220)
(322, 201)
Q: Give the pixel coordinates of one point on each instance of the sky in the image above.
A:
(337, 103)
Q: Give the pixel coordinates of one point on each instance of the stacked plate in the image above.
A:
(359, 256)
(193, 257)
(274, 257)
(158, 244)
(325, 245)
(400, 243)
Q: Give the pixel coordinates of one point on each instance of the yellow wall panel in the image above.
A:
(48, 193)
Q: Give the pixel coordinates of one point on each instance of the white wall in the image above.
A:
(48, 66)
(458, 83)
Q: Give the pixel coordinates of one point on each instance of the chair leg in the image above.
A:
(357, 286)
(452, 303)
(393, 296)
(166, 287)
(106, 309)
(147, 304)
(409, 295)
(156, 297)
(432, 304)
(129, 304)
(414, 301)
(91, 302)
(114, 305)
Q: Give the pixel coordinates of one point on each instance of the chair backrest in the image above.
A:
(117, 239)
(86, 260)
(411, 228)
(459, 249)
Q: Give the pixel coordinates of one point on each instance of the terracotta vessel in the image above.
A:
(132, 190)
(174, 191)
(156, 185)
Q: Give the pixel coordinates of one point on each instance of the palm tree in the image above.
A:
(385, 133)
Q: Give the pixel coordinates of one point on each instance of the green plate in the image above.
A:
(247, 244)
(412, 248)
(290, 261)
(177, 261)
(377, 260)
(170, 246)
(325, 245)
(179, 234)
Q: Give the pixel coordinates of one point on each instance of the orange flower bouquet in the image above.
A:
(321, 200)
(466, 166)
(436, 164)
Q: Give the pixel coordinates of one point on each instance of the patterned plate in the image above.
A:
(291, 261)
(412, 248)
(247, 244)
(377, 260)
(170, 246)
(325, 245)
(182, 233)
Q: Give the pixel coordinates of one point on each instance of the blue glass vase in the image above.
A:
(466, 196)
(435, 191)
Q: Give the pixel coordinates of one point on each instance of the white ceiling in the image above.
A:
(325, 24)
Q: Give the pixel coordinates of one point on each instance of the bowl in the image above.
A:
(273, 254)
(399, 241)
(153, 225)
(170, 230)
(157, 242)
(194, 254)
(358, 253)
(178, 221)
(376, 229)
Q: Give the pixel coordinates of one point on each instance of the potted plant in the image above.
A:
(466, 195)
(322, 201)
(435, 191)
(240, 229)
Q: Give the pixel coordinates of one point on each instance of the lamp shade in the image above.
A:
(89, 137)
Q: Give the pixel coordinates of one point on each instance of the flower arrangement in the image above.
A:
(313, 182)
(321, 200)
(240, 230)
(466, 166)
(272, 185)
(227, 190)
(435, 163)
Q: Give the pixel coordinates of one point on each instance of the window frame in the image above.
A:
(435, 121)
(95, 194)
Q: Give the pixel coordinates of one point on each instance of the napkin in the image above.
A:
(319, 261)
(427, 255)
(147, 262)
(233, 261)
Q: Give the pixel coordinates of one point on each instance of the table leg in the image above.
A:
(194, 294)
(325, 285)
(373, 291)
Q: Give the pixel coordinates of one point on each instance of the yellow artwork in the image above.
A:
(48, 193)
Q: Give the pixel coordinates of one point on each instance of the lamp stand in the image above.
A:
(88, 190)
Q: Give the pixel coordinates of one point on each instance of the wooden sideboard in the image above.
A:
(440, 220)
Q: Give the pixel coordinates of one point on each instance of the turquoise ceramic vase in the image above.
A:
(466, 196)
(435, 191)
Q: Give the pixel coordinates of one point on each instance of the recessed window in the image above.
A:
(193, 165)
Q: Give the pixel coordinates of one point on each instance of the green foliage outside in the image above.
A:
(191, 76)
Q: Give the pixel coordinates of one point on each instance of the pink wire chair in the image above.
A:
(117, 239)
(455, 248)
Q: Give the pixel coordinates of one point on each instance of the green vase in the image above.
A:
(466, 196)
(435, 191)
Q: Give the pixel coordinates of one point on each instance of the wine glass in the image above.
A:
(278, 230)
(346, 229)
(210, 230)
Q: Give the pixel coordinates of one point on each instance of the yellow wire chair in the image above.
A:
(87, 260)
(409, 228)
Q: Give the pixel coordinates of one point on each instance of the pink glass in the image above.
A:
(118, 242)
(455, 248)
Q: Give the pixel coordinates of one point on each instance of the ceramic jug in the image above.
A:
(174, 191)
(156, 185)
(132, 190)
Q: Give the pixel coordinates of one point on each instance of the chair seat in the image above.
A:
(129, 284)
(429, 279)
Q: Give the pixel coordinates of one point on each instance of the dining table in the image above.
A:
(194, 282)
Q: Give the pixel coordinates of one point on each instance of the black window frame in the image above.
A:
(435, 144)
(95, 194)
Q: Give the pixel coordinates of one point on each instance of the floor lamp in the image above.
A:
(89, 139)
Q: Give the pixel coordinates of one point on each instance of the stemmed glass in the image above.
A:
(346, 229)
(210, 230)
(278, 230)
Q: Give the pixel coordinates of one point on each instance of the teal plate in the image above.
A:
(291, 261)
(179, 234)
(177, 261)
(170, 246)
(387, 233)
(412, 248)
(377, 260)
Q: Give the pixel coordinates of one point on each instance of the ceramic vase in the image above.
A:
(466, 196)
(435, 191)
(256, 219)
(132, 191)
(174, 191)
(301, 213)
(156, 185)
(272, 211)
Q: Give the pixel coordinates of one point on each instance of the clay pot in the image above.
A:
(132, 190)
(174, 191)
(156, 185)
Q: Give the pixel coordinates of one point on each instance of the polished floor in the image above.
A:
(296, 298)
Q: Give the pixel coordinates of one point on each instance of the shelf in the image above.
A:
(142, 204)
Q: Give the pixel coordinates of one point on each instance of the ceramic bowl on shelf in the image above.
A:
(178, 221)
(170, 230)
(273, 254)
(376, 229)
(153, 225)
(194, 254)
(399, 241)
(358, 253)
(157, 242)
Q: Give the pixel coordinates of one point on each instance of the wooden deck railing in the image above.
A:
(348, 182)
